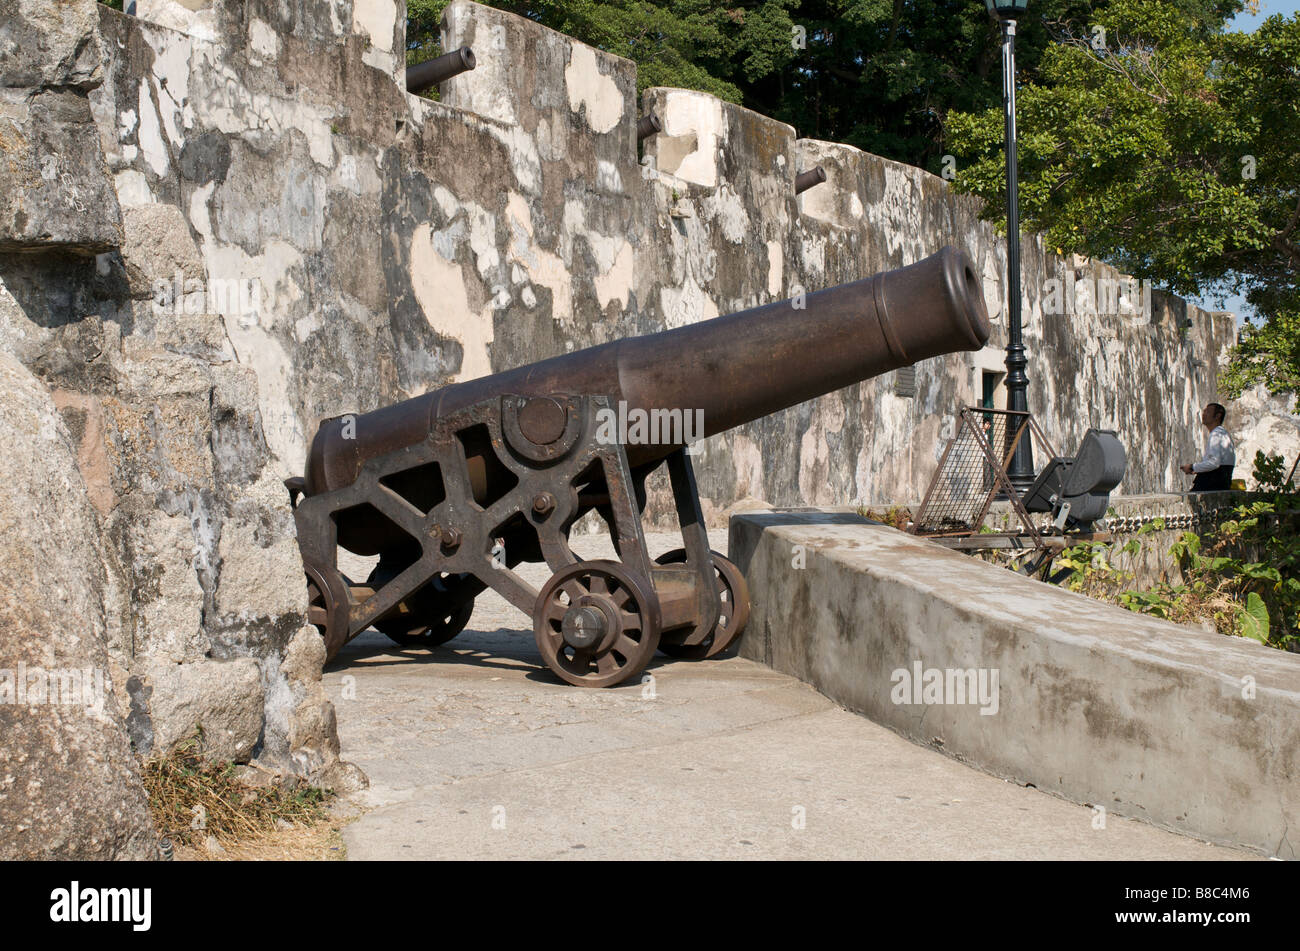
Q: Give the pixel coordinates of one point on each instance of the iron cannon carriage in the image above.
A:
(453, 489)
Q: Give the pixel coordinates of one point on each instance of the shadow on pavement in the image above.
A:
(500, 649)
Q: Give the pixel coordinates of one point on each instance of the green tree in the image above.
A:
(1267, 353)
(883, 74)
(691, 44)
(1170, 151)
(422, 22)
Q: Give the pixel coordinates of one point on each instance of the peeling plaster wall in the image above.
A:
(402, 244)
(222, 221)
(159, 344)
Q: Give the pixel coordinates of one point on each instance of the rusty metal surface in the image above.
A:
(596, 623)
(455, 488)
(647, 126)
(456, 513)
(439, 69)
(806, 180)
(734, 369)
(973, 471)
(971, 474)
(733, 609)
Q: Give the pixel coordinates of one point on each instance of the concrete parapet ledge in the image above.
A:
(1191, 731)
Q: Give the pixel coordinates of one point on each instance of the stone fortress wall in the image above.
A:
(400, 244)
(221, 221)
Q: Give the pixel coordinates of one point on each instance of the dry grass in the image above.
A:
(321, 842)
(896, 516)
(195, 804)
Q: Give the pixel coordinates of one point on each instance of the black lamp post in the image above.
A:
(1021, 472)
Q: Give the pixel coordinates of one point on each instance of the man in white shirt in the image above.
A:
(1214, 470)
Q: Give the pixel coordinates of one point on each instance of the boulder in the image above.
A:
(51, 43)
(55, 191)
(54, 187)
(304, 658)
(69, 782)
(301, 726)
(221, 700)
(162, 261)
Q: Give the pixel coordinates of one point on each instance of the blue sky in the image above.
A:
(1247, 22)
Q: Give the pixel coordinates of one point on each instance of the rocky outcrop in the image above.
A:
(218, 703)
(312, 738)
(168, 431)
(51, 44)
(197, 585)
(69, 782)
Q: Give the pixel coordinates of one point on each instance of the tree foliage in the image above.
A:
(1170, 151)
(1268, 353)
(692, 44)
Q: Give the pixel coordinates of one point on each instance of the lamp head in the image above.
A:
(1007, 9)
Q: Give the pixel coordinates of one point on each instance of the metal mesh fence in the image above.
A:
(962, 490)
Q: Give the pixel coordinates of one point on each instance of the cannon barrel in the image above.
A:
(647, 126)
(806, 180)
(439, 69)
(731, 369)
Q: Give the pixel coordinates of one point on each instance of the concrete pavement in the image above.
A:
(476, 751)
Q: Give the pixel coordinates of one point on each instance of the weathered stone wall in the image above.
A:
(69, 785)
(401, 244)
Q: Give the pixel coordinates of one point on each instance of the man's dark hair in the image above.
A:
(1219, 411)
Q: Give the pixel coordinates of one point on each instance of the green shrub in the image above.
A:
(1241, 576)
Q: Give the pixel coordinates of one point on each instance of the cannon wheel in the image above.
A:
(427, 619)
(733, 609)
(595, 624)
(327, 608)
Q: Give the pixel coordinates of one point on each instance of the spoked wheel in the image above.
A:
(428, 619)
(327, 608)
(733, 609)
(595, 624)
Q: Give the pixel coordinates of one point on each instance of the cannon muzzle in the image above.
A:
(806, 180)
(647, 126)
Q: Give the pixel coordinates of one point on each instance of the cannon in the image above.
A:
(647, 126)
(806, 180)
(439, 69)
(453, 489)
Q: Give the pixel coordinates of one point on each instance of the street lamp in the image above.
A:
(1021, 472)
